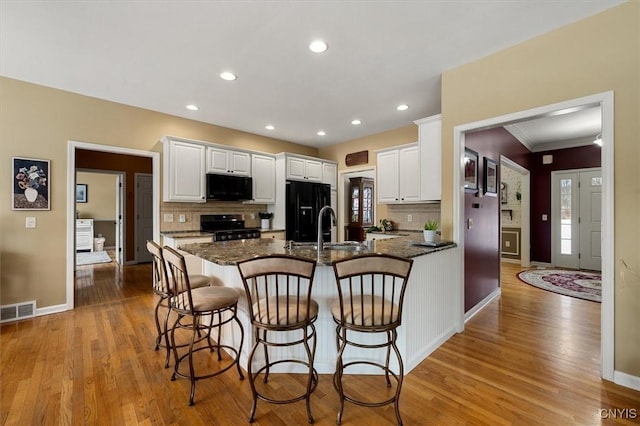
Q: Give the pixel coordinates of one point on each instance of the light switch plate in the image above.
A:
(168, 217)
(182, 218)
(30, 222)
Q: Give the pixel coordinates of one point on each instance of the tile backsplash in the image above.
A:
(420, 213)
(192, 212)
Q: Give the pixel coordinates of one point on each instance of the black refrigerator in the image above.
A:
(304, 201)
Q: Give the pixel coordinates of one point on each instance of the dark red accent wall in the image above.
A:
(482, 241)
(130, 165)
(563, 159)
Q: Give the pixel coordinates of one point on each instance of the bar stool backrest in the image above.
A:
(278, 290)
(181, 300)
(371, 290)
(160, 278)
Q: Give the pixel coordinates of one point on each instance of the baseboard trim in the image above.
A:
(626, 380)
(53, 309)
(480, 305)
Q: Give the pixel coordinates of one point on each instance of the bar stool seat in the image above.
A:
(371, 291)
(278, 290)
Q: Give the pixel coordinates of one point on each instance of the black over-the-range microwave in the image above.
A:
(229, 187)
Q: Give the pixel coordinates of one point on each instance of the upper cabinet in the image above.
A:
(330, 174)
(299, 168)
(227, 161)
(183, 171)
(264, 178)
(399, 175)
(430, 141)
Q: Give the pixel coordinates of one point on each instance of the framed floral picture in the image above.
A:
(30, 184)
(470, 170)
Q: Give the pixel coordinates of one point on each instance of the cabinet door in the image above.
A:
(296, 168)
(217, 160)
(264, 179)
(409, 174)
(388, 177)
(330, 174)
(313, 170)
(184, 178)
(430, 141)
(240, 163)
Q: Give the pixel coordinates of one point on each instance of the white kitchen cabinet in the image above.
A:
(84, 234)
(430, 142)
(227, 161)
(264, 178)
(183, 171)
(307, 169)
(398, 177)
(330, 174)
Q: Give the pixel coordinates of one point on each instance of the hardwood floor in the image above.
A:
(530, 357)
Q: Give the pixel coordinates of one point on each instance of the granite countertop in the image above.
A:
(231, 252)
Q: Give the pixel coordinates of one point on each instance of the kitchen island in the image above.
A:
(431, 308)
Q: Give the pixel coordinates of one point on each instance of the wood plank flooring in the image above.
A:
(530, 357)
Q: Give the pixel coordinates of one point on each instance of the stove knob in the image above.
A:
(223, 237)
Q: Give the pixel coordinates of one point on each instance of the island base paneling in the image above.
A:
(429, 316)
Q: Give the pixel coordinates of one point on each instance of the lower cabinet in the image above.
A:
(194, 264)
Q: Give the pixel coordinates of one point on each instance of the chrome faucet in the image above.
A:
(333, 221)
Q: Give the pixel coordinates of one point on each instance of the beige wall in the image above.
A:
(101, 196)
(38, 122)
(595, 55)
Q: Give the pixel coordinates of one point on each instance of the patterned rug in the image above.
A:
(580, 284)
(89, 258)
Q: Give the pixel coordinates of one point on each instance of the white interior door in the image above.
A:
(576, 216)
(144, 216)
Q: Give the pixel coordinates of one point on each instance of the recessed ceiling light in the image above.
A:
(356, 122)
(402, 107)
(321, 133)
(269, 127)
(318, 46)
(229, 76)
(192, 107)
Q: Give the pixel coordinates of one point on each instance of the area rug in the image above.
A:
(580, 284)
(89, 258)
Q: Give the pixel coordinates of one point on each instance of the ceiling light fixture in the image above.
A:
(192, 107)
(356, 122)
(598, 140)
(318, 46)
(402, 107)
(321, 133)
(269, 127)
(229, 76)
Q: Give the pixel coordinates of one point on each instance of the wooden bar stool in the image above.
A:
(370, 296)
(162, 289)
(278, 290)
(218, 303)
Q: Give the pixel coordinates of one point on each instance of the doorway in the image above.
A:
(144, 215)
(576, 216)
(72, 146)
(343, 196)
(605, 102)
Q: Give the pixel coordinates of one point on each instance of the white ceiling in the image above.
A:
(161, 55)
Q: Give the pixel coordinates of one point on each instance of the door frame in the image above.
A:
(606, 102)
(525, 209)
(342, 185)
(71, 202)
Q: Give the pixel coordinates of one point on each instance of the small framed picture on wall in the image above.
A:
(490, 177)
(470, 170)
(81, 193)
